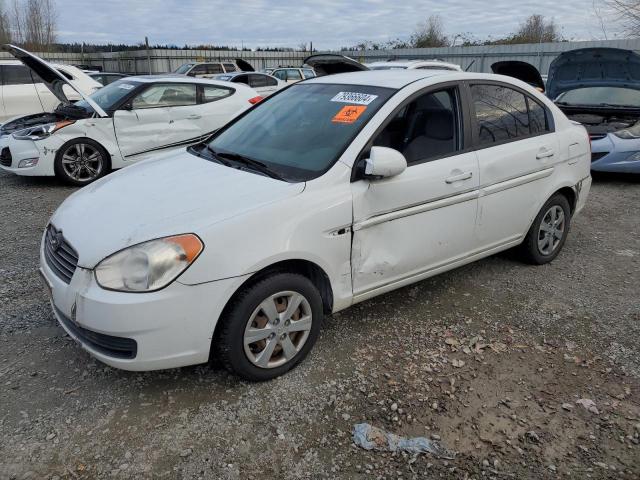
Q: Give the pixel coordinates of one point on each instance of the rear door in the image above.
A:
(263, 84)
(19, 93)
(517, 150)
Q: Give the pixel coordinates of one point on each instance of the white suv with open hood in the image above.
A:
(124, 122)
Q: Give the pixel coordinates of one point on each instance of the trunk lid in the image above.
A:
(593, 67)
(330, 64)
(244, 65)
(521, 70)
(52, 78)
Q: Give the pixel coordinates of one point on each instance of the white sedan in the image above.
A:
(325, 194)
(122, 123)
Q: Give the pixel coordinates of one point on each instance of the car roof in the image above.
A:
(381, 78)
(408, 63)
(170, 78)
(241, 72)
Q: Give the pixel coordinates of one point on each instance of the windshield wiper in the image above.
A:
(250, 162)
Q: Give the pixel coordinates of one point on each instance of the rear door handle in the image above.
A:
(194, 117)
(545, 153)
(459, 177)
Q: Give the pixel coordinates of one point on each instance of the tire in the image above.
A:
(84, 154)
(547, 234)
(247, 318)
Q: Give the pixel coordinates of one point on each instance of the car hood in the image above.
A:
(168, 195)
(51, 77)
(593, 67)
(329, 64)
(521, 70)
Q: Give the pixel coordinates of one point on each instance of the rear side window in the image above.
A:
(270, 81)
(241, 79)
(308, 73)
(537, 117)
(16, 75)
(256, 81)
(501, 114)
(230, 67)
(211, 93)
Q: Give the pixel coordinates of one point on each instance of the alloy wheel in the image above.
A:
(277, 329)
(82, 162)
(551, 230)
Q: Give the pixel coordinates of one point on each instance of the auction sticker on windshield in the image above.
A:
(354, 97)
(126, 86)
(348, 114)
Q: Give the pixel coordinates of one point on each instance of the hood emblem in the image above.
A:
(55, 239)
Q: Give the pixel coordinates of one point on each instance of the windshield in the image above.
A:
(302, 131)
(601, 96)
(183, 68)
(107, 97)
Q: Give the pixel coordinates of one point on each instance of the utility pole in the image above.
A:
(146, 42)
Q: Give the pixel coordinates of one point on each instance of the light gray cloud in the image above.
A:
(328, 23)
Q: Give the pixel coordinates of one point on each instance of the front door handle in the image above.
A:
(545, 153)
(194, 117)
(458, 178)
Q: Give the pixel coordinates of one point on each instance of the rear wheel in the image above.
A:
(270, 327)
(82, 161)
(549, 231)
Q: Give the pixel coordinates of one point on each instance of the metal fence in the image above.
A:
(476, 59)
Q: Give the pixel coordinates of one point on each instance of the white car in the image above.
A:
(209, 69)
(124, 122)
(414, 64)
(290, 74)
(327, 193)
(24, 93)
(262, 83)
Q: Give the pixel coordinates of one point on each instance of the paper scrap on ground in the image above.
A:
(374, 438)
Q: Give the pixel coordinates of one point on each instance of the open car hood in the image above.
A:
(521, 70)
(593, 67)
(329, 64)
(51, 77)
(244, 65)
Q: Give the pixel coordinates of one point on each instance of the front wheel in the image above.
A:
(549, 231)
(80, 162)
(270, 327)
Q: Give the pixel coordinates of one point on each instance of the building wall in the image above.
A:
(476, 59)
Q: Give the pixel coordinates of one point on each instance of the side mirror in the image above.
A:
(384, 162)
(127, 106)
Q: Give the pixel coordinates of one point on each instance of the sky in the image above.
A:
(329, 24)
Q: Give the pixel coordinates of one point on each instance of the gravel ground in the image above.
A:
(493, 360)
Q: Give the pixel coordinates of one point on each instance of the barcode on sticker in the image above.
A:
(354, 97)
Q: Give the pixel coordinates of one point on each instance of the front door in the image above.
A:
(409, 226)
(150, 126)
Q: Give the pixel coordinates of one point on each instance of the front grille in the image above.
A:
(60, 256)
(5, 157)
(117, 347)
(598, 155)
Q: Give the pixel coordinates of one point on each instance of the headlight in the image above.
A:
(629, 133)
(41, 131)
(150, 265)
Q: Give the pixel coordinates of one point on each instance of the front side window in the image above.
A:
(16, 75)
(165, 95)
(110, 96)
(501, 114)
(211, 93)
(198, 70)
(425, 129)
(301, 132)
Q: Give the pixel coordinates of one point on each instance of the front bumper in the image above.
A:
(43, 150)
(172, 327)
(613, 154)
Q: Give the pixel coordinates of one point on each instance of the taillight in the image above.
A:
(255, 100)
